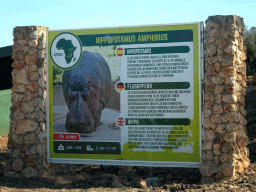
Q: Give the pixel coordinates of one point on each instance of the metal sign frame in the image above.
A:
(108, 159)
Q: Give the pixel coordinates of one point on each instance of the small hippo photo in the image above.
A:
(82, 101)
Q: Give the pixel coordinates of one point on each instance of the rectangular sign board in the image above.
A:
(125, 96)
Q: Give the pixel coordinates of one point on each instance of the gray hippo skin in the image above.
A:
(86, 89)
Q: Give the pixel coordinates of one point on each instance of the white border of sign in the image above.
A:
(135, 162)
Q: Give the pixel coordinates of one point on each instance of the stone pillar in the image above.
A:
(27, 141)
(224, 150)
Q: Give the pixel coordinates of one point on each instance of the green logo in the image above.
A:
(66, 50)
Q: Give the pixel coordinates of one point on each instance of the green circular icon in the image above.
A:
(66, 50)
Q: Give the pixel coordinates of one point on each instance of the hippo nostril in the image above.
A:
(80, 124)
(72, 125)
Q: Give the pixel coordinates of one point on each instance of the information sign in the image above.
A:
(125, 96)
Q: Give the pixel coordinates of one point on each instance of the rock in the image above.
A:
(61, 181)
(231, 127)
(217, 108)
(219, 52)
(211, 50)
(230, 137)
(39, 149)
(216, 152)
(210, 88)
(41, 82)
(28, 96)
(33, 43)
(231, 80)
(33, 76)
(124, 170)
(218, 98)
(29, 172)
(22, 42)
(33, 35)
(10, 174)
(207, 113)
(15, 97)
(27, 107)
(32, 51)
(30, 161)
(222, 43)
(230, 107)
(208, 105)
(210, 39)
(214, 32)
(208, 97)
(42, 53)
(116, 182)
(226, 157)
(239, 167)
(208, 168)
(6, 167)
(246, 163)
(16, 153)
(17, 165)
(32, 86)
(79, 177)
(143, 183)
(242, 142)
(18, 88)
(41, 71)
(207, 156)
(30, 59)
(210, 24)
(207, 145)
(25, 49)
(218, 89)
(208, 135)
(32, 68)
(228, 170)
(19, 115)
(41, 45)
(210, 71)
(229, 98)
(25, 126)
(207, 123)
(30, 139)
(217, 80)
(22, 77)
(17, 139)
(215, 118)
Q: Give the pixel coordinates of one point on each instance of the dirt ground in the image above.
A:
(114, 178)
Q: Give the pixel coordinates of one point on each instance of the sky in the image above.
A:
(80, 14)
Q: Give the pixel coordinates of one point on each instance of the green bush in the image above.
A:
(57, 75)
(250, 43)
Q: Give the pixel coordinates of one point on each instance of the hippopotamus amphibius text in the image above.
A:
(87, 90)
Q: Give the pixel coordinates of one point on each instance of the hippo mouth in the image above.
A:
(79, 127)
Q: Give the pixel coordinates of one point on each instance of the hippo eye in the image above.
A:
(73, 96)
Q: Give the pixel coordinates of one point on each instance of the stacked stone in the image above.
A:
(27, 142)
(224, 151)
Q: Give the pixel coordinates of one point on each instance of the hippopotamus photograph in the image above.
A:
(87, 90)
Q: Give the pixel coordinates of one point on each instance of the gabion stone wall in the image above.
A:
(27, 142)
(224, 150)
